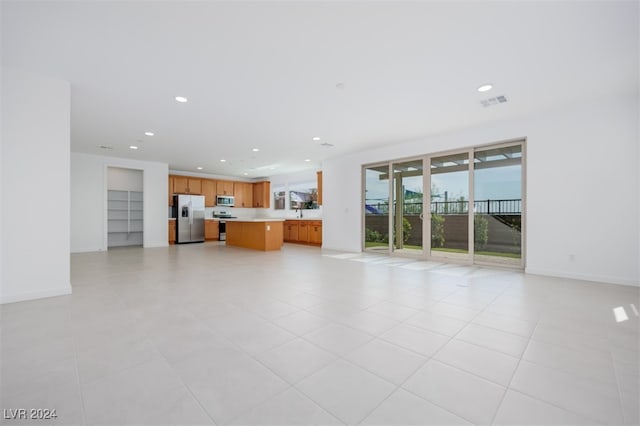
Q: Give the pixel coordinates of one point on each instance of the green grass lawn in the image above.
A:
(481, 253)
(370, 244)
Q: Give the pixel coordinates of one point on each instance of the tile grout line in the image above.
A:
(618, 388)
(535, 397)
(80, 387)
(428, 358)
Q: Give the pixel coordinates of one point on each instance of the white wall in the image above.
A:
(582, 188)
(35, 187)
(125, 179)
(88, 200)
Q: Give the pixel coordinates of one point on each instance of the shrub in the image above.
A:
(437, 230)
(481, 231)
(406, 230)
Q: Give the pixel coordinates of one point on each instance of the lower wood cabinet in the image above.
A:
(315, 232)
(211, 230)
(303, 231)
(172, 232)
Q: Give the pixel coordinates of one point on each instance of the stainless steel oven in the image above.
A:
(222, 226)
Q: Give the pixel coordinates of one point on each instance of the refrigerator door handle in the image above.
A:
(190, 213)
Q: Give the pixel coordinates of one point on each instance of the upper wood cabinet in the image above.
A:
(319, 177)
(243, 193)
(171, 191)
(187, 185)
(261, 194)
(180, 185)
(246, 194)
(209, 190)
(224, 187)
(195, 186)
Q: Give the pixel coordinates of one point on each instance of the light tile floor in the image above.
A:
(208, 334)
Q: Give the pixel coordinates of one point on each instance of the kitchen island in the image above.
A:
(258, 234)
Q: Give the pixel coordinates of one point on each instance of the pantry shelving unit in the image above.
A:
(124, 217)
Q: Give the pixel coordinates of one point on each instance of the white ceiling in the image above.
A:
(265, 74)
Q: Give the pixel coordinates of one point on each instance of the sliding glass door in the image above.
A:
(407, 206)
(376, 208)
(450, 206)
(497, 183)
(471, 201)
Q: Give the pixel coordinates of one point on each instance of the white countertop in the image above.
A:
(255, 219)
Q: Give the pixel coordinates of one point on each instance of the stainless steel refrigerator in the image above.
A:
(189, 213)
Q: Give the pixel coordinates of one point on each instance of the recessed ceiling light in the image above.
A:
(223, 160)
(199, 167)
(181, 99)
(485, 88)
(133, 147)
(246, 174)
(316, 138)
(255, 149)
(307, 160)
(149, 133)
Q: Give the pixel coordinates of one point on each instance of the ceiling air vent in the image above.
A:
(105, 147)
(326, 144)
(494, 101)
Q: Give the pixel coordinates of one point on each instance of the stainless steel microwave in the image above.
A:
(225, 200)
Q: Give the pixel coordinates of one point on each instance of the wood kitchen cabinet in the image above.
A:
(315, 232)
(209, 188)
(319, 182)
(211, 230)
(290, 230)
(195, 186)
(247, 194)
(243, 194)
(261, 195)
(180, 185)
(303, 231)
(186, 185)
(172, 232)
(224, 187)
(171, 191)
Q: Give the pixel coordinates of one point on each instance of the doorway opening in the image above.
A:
(125, 207)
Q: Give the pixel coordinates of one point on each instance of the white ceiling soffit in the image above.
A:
(273, 75)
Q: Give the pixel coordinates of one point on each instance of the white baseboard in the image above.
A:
(583, 277)
(155, 245)
(342, 249)
(86, 250)
(21, 297)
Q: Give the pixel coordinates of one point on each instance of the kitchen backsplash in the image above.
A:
(266, 213)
